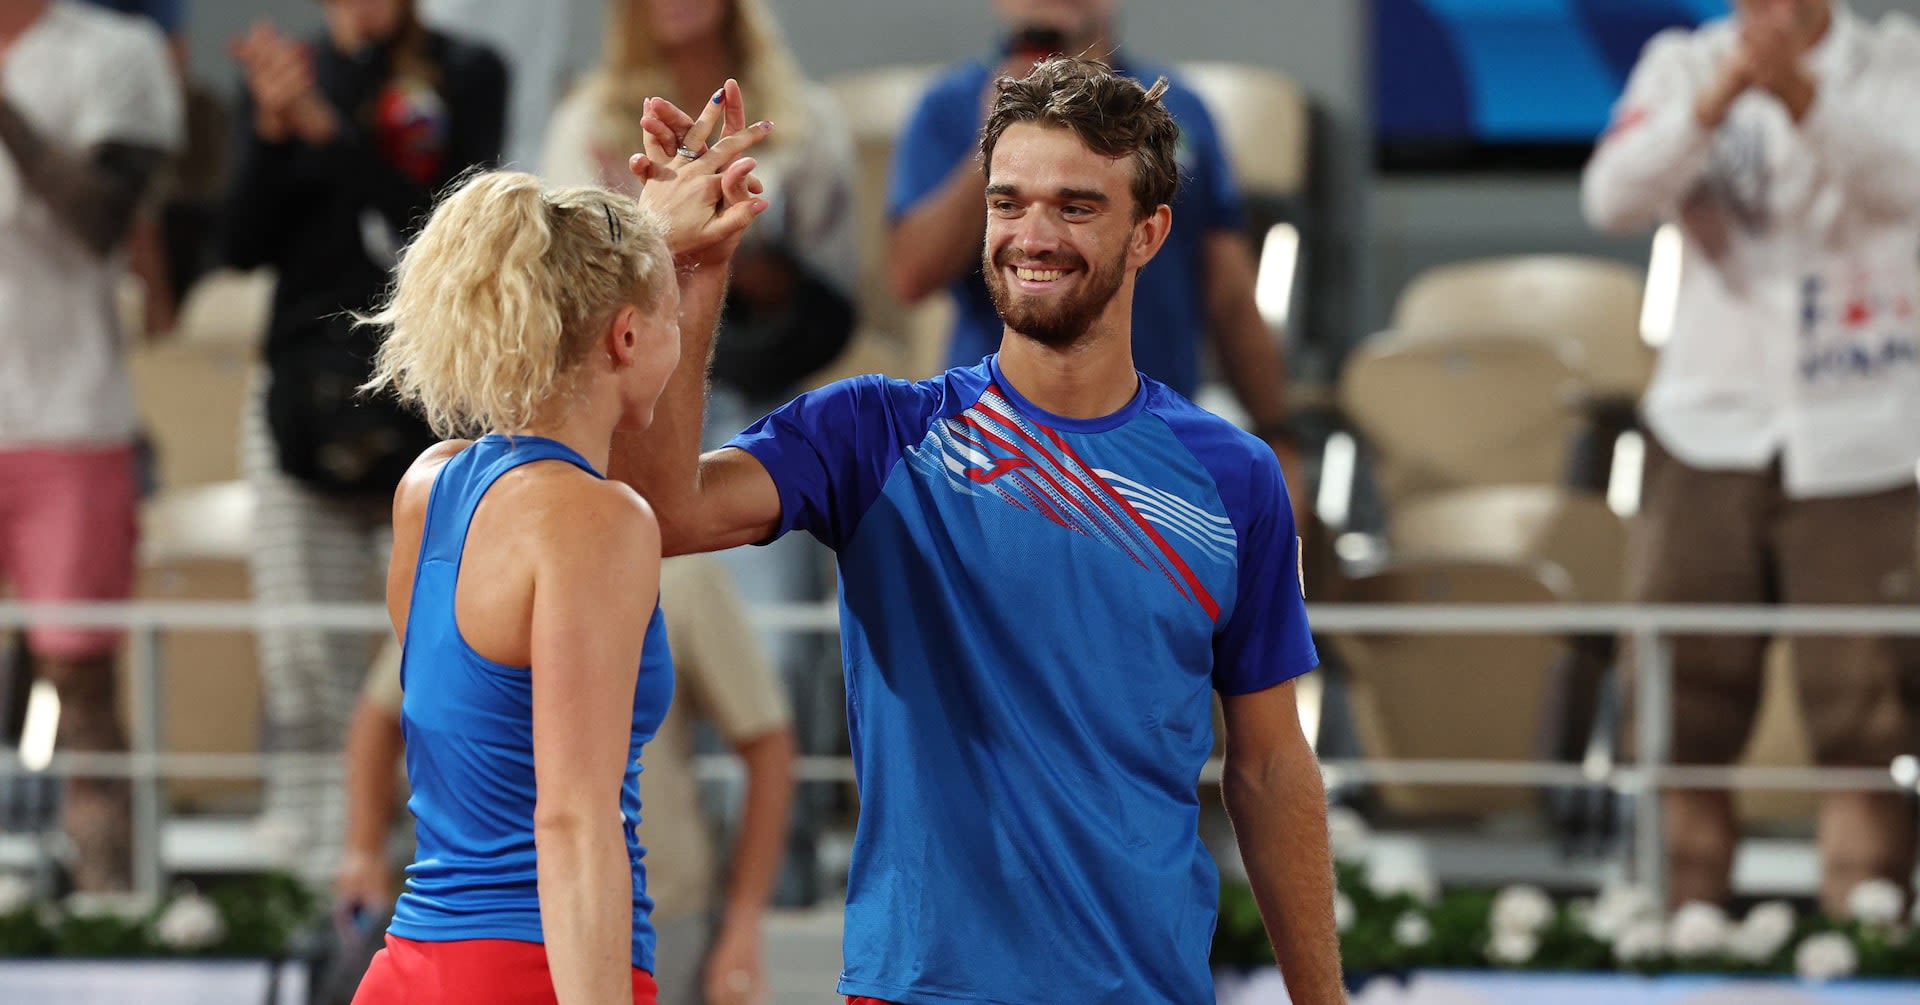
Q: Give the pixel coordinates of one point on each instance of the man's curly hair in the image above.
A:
(1111, 113)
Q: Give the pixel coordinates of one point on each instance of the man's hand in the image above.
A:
(362, 883)
(1774, 44)
(736, 968)
(1736, 76)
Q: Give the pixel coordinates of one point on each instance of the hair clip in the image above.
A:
(613, 225)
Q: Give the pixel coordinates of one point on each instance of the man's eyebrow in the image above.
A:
(1067, 194)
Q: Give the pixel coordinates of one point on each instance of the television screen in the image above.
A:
(1472, 84)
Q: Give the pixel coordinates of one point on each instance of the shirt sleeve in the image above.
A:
(830, 451)
(135, 98)
(718, 652)
(1265, 640)
(1654, 152)
(937, 139)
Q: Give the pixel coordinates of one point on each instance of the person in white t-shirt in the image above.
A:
(89, 112)
(1785, 411)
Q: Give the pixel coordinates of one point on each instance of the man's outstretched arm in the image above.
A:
(1278, 805)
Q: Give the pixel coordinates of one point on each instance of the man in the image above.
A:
(705, 953)
(1047, 563)
(1201, 283)
(1785, 411)
(89, 111)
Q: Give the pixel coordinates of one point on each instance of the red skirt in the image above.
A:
(469, 972)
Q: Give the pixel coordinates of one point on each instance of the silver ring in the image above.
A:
(689, 153)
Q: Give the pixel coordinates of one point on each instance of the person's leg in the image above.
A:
(1700, 538)
(307, 549)
(74, 541)
(1855, 690)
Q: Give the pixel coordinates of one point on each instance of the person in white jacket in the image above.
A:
(1785, 411)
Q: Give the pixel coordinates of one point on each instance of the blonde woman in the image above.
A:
(523, 583)
(789, 312)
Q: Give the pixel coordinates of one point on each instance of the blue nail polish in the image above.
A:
(718, 95)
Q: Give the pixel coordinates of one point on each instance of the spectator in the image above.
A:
(1202, 281)
(344, 140)
(532, 38)
(88, 115)
(721, 676)
(146, 246)
(1785, 412)
(790, 309)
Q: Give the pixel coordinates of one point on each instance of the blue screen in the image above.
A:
(1488, 73)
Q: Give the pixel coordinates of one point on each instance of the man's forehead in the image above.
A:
(1030, 156)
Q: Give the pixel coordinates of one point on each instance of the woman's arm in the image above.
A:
(598, 570)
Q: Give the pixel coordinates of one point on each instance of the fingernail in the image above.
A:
(719, 94)
(764, 124)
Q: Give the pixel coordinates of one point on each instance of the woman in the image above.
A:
(789, 313)
(343, 141)
(524, 584)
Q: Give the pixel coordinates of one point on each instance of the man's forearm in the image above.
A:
(761, 845)
(1249, 354)
(374, 748)
(1279, 812)
(663, 463)
(939, 239)
(95, 194)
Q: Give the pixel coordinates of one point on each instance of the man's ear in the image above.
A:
(1149, 233)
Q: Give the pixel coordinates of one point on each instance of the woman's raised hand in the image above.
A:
(707, 194)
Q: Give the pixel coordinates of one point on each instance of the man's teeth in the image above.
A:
(1038, 275)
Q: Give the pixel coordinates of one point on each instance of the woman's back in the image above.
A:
(468, 712)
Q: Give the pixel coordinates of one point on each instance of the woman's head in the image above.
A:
(517, 303)
(355, 24)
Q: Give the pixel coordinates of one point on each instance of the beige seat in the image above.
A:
(193, 547)
(1447, 411)
(1526, 524)
(1264, 121)
(227, 308)
(1592, 303)
(190, 399)
(1428, 697)
(876, 105)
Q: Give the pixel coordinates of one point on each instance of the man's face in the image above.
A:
(1808, 15)
(1073, 18)
(1060, 232)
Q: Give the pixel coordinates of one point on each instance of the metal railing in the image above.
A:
(1648, 629)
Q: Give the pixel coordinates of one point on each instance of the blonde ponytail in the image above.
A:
(503, 294)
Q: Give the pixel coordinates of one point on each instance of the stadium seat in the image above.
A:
(908, 339)
(1574, 532)
(1425, 697)
(1264, 120)
(1447, 411)
(193, 547)
(1592, 303)
(227, 308)
(189, 398)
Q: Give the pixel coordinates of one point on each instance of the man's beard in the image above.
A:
(1060, 321)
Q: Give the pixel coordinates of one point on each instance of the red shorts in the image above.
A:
(469, 972)
(67, 532)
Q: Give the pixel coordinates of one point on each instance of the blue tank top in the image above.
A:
(468, 723)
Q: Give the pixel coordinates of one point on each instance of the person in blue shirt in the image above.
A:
(1202, 281)
(1049, 563)
(524, 585)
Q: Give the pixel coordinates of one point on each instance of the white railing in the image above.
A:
(1647, 628)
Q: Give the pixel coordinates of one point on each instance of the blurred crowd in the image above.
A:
(1781, 425)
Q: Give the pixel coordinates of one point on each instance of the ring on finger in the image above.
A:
(690, 153)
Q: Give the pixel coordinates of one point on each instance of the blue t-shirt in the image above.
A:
(1169, 299)
(1035, 612)
(468, 723)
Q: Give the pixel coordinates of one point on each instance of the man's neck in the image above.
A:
(17, 17)
(1086, 380)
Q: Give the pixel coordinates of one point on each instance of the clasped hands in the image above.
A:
(707, 194)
